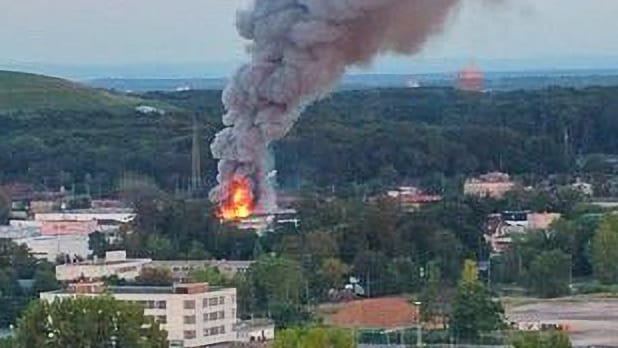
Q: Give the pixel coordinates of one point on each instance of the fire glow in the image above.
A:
(238, 200)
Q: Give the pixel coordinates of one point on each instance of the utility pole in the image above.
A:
(196, 159)
(368, 283)
(419, 327)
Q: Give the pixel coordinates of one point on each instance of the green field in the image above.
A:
(28, 92)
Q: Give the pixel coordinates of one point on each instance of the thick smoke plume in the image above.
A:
(299, 49)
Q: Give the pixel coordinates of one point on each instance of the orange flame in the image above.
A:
(237, 202)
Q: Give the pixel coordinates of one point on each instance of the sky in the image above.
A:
(197, 38)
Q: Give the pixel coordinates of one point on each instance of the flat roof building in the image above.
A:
(255, 330)
(180, 269)
(194, 315)
(114, 264)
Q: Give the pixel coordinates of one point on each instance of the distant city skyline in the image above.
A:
(197, 38)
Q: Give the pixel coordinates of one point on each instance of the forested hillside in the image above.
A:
(373, 136)
(29, 92)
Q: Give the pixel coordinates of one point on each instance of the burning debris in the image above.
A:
(299, 49)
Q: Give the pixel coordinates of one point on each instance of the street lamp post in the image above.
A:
(419, 327)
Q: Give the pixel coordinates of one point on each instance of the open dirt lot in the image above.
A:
(590, 321)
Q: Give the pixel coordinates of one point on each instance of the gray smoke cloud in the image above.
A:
(299, 49)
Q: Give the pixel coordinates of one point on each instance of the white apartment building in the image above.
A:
(114, 264)
(194, 315)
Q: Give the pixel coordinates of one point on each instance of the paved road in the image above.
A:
(591, 323)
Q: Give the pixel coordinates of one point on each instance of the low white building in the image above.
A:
(180, 269)
(114, 264)
(50, 247)
(493, 185)
(120, 215)
(255, 330)
(194, 315)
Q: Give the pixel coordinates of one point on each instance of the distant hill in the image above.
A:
(496, 80)
(27, 92)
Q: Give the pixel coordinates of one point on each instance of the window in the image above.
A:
(150, 304)
(212, 316)
(214, 331)
(189, 334)
(221, 314)
(161, 304)
(205, 303)
(222, 329)
(206, 332)
(189, 304)
(221, 299)
(213, 301)
(205, 316)
(162, 319)
(189, 319)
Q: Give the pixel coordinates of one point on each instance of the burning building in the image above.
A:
(299, 49)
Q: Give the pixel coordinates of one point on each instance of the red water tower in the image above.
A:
(471, 78)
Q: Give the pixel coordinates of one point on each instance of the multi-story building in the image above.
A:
(194, 315)
(115, 263)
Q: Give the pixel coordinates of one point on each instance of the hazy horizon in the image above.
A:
(197, 38)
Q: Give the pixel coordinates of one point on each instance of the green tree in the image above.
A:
(549, 274)
(197, 251)
(333, 271)
(154, 276)
(258, 250)
(605, 250)
(277, 279)
(551, 339)
(314, 337)
(45, 278)
(407, 274)
(277, 286)
(7, 342)
(98, 244)
(87, 322)
(474, 311)
(430, 294)
(5, 206)
(159, 247)
(210, 275)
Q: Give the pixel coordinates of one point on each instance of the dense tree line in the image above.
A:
(17, 265)
(371, 137)
(87, 322)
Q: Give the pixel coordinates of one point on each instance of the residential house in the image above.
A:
(493, 185)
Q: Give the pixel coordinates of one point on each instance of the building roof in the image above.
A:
(255, 323)
(140, 289)
(389, 312)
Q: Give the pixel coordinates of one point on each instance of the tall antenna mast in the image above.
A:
(196, 162)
